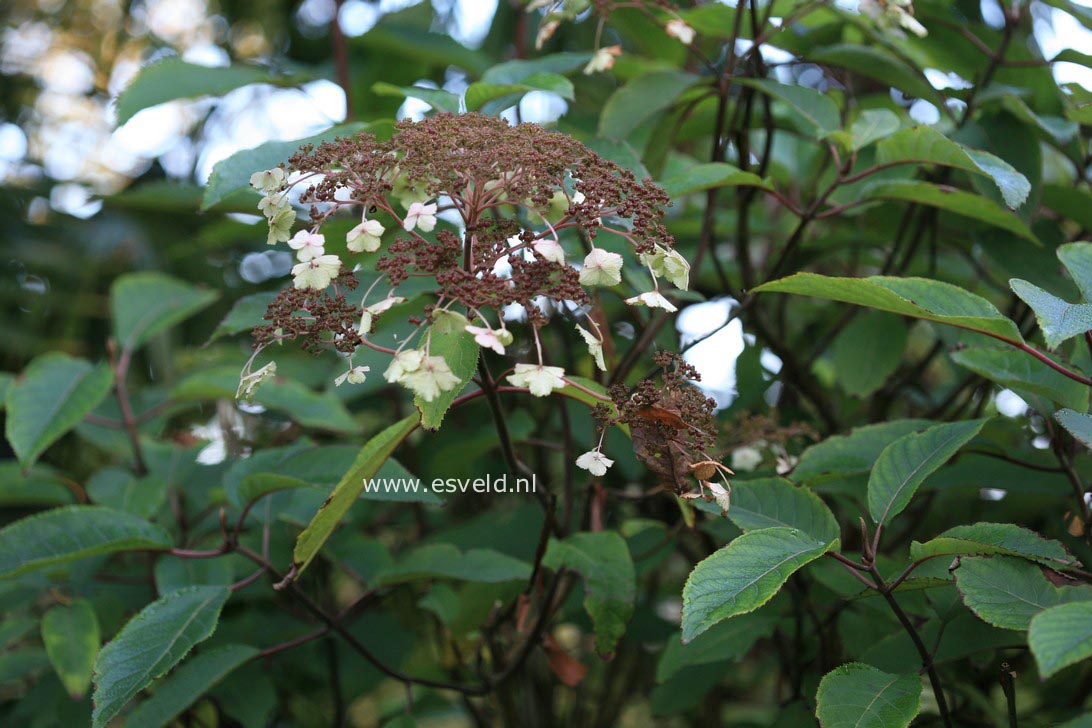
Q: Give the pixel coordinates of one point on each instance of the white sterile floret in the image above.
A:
(652, 299)
(371, 313)
(280, 223)
(603, 60)
(250, 382)
(402, 364)
(308, 245)
(421, 216)
(268, 181)
(680, 31)
(364, 238)
(746, 458)
(601, 268)
(549, 249)
(316, 273)
(355, 375)
(595, 347)
(720, 495)
(594, 462)
(430, 378)
(487, 338)
(540, 380)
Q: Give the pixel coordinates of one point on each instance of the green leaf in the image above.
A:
(925, 145)
(245, 314)
(984, 539)
(151, 643)
(1077, 259)
(853, 453)
(368, 461)
(818, 110)
(399, 39)
(916, 297)
(320, 410)
(1007, 592)
(878, 64)
(860, 696)
(1077, 424)
(445, 561)
(148, 303)
(233, 174)
(73, 532)
(905, 464)
(21, 664)
(770, 502)
(867, 352)
(1081, 721)
(120, 489)
(1061, 636)
(13, 629)
(460, 351)
(1016, 370)
(436, 98)
(174, 573)
(639, 100)
(40, 486)
(481, 92)
(872, 125)
(516, 71)
(52, 396)
(172, 78)
(744, 575)
(727, 641)
(256, 485)
(71, 637)
(1058, 320)
(610, 582)
(950, 199)
(707, 176)
(184, 686)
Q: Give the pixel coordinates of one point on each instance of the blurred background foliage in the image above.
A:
(86, 200)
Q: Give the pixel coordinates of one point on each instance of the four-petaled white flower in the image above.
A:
(421, 216)
(680, 31)
(268, 181)
(364, 238)
(545, 32)
(720, 495)
(251, 381)
(281, 219)
(549, 249)
(488, 338)
(603, 60)
(316, 273)
(539, 379)
(595, 347)
(746, 458)
(652, 299)
(594, 462)
(403, 363)
(430, 378)
(670, 264)
(601, 268)
(308, 245)
(355, 375)
(372, 312)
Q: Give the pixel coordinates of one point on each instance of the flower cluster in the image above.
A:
(487, 215)
(555, 12)
(893, 14)
(673, 431)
